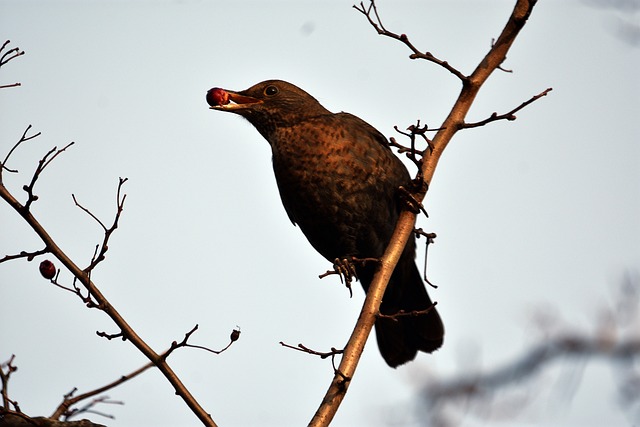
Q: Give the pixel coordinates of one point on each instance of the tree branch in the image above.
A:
(94, 294)
(371, 13)
(405, 226)
(104, 247)
(23, 138)
(23, 254)
(63, 410)
(8, 56)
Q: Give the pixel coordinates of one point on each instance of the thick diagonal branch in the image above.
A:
(405, 225)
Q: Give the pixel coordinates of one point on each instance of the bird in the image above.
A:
(339, 183)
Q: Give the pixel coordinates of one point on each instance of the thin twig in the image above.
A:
(510, 115)
(99, 256)
(23, 138)
(10, 54)
(323, 354)
(371, 12)
(42, 164)
(63, 409)
(430, 239)
(412, 313)
(233, 337)
(23, 254)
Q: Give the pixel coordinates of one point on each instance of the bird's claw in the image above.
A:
(411, 203)
(346, 269)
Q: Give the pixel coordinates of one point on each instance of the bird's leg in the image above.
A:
(407, 194)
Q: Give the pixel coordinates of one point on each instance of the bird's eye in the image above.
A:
(271, 90)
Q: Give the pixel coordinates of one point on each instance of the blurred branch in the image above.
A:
(233, 337)
(411, 151)
(609, 342)
(305, 349)
(404, 229)
(530, 363)
(429, 240)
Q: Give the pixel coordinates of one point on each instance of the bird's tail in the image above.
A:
(401, 336)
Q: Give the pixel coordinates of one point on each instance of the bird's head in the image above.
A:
(267, 105)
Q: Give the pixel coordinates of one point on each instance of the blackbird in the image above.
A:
(339, 182)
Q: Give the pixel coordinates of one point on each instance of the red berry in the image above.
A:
(217, 96)
(47, 269)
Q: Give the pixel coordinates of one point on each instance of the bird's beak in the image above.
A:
(237, 101)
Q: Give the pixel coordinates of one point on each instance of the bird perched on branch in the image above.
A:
(339, 182)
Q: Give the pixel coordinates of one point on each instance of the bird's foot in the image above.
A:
(410, 202)
(346, 269)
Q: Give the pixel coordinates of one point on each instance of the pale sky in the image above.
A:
(536, 215)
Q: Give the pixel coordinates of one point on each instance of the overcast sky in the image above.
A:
(540, 215)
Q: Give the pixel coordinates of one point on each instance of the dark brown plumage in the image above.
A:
(338, 182)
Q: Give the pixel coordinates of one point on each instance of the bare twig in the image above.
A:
(412, 313)
(6, 369)
(371, 12)
(99, 256)
(111, 336)
(88, 408)
(441, 394)
(411, 151)
(23, 254)
(235, 335)
(508, 115)
(8, 56)
(23, 138)
(429, 239)
(323, 354)
(63, 410)
(42, 164)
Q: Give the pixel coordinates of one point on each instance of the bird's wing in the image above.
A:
(356, 121)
